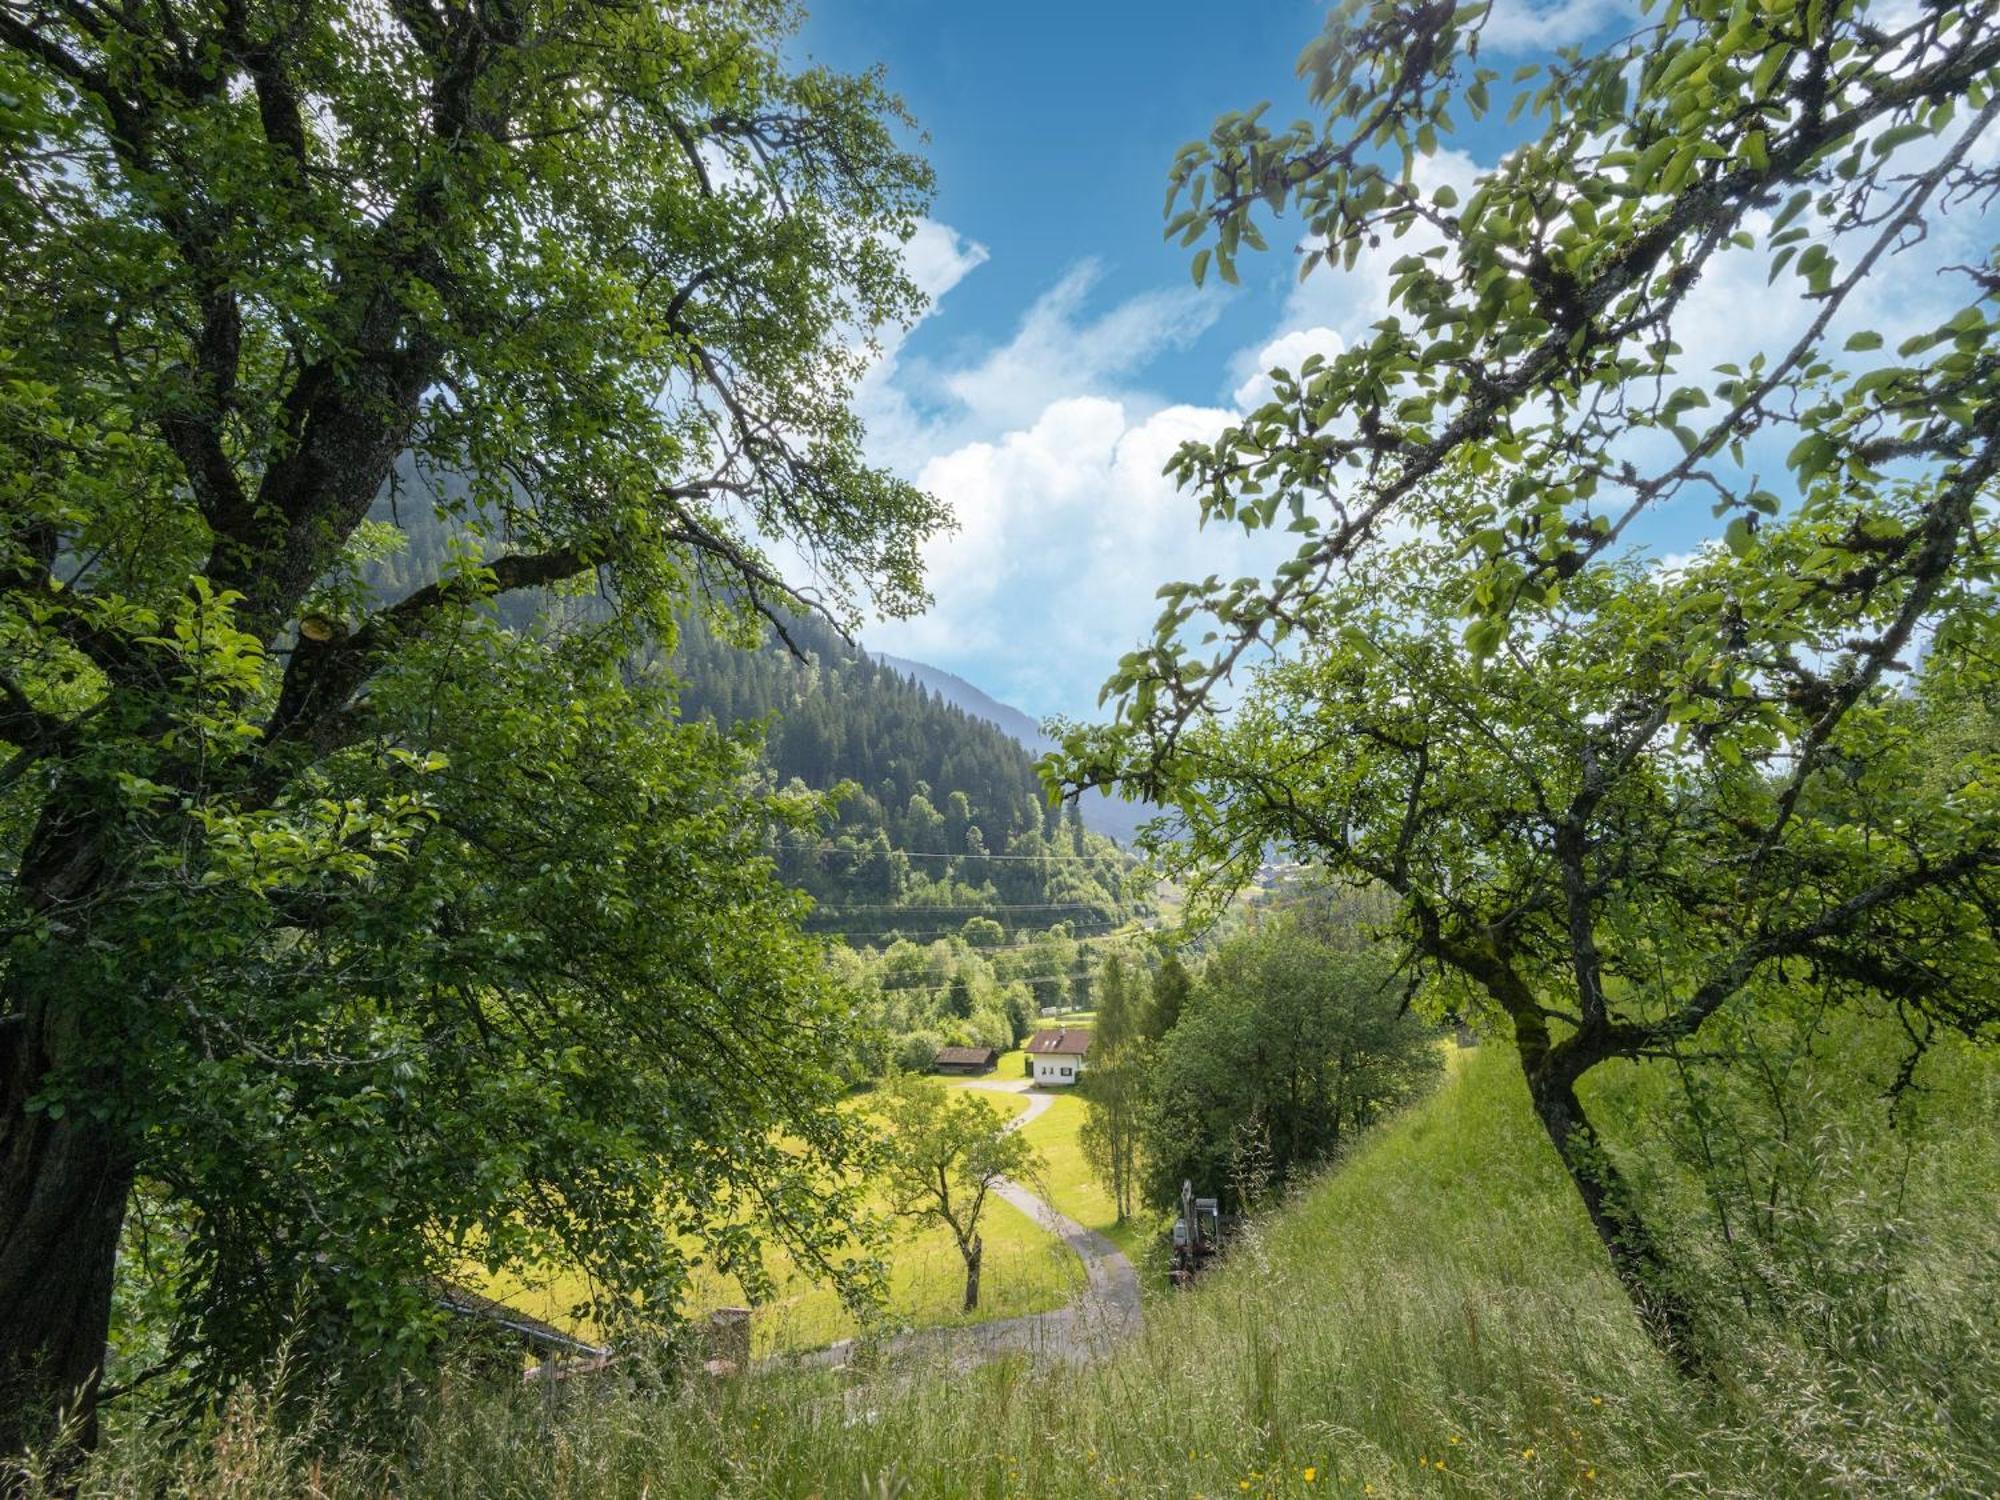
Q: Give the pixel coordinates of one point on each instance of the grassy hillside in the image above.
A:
(1431, 1319)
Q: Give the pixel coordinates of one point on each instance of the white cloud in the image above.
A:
(1062, 347)
(1528, 26)
(1049, 448)
(1059, 350)
(1050, 459)
(1067, 529)
(938, 258)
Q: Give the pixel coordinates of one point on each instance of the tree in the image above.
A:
(1116, 1085)
(880, 872)
(958, 998)
(592, 273)
(1047, 964)
(1121, 1005)
(1170, 996)
(1079, 990)
(1116, 1089)
(1289, 1045)
(1613, 803)
(1020, 1008)
(923, 826)
(945, 1152)
(983, 932)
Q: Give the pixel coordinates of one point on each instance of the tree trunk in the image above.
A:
(63, 1190)
(65, 1174)
(973, 1253)
(1635, 1258)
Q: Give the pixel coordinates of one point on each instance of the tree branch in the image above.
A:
(1804, 940)
(22, 723)
(328, 666)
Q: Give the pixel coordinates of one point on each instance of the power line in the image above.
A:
(974, 908)
(1012, 947)
(863, 850)
(941, 989)
(958, 931)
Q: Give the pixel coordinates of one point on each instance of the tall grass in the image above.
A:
(1431, 1318)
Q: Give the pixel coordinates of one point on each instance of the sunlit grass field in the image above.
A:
(1025, 1270)
(1431, 1318)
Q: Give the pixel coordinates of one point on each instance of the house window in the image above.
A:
(1065, 1072)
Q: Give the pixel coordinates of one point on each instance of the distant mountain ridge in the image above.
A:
(980, 704)
(1103, 813)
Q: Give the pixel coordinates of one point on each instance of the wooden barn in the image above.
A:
(965, 1060)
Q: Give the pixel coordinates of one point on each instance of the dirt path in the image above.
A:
(1103, 1314)
(1110, 1300)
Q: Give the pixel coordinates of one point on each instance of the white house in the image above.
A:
(1055, 1057)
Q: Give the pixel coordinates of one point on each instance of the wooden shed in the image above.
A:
(965, 1060)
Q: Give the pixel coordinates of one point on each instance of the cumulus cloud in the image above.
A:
(938, 258)
(1049, 452)
(1062, 348)
(1530, 26)
(1049, 445)
(1067, 529)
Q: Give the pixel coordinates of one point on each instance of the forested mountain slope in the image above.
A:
(1102, 813)
(946, 820)
(974, 700)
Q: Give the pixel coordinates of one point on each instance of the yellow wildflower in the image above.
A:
(1528, 1454)
(1311, 1474)
(1243, 1484)
(1596, 1400)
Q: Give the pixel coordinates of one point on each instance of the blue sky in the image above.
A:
(1067, 354)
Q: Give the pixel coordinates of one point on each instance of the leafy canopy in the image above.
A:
(1294, 1039)
(365, 936)
(1530, 336)
(1608, 801)
(1543, 750)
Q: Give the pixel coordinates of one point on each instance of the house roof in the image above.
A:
(467, 1303)
(1063, 1041)
(965, 1056)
